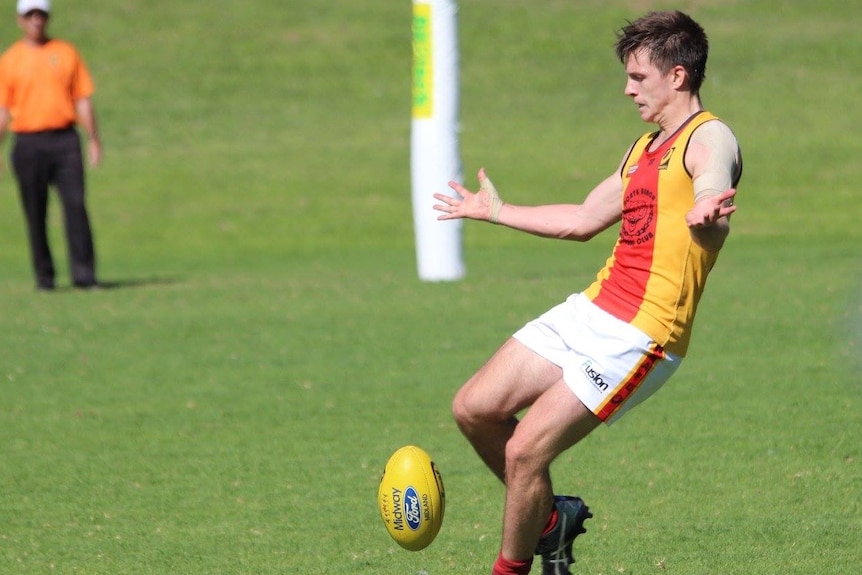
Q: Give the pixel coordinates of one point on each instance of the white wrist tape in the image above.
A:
(496, 203)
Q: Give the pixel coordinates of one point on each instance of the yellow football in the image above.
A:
(411, 498)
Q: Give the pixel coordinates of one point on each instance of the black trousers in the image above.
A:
(40, 160)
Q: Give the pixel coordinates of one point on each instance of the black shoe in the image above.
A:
(88, 286)
(556, 547)
(44, 287)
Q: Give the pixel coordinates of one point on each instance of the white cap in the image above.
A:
(25, 6)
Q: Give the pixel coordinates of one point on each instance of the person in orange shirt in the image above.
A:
(45, 91)
(593, 357)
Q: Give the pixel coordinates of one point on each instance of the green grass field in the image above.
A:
(228, 407)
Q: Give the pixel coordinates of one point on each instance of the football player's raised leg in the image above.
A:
(485, 407)
(556, 421)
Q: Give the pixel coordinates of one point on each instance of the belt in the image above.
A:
(51, 131)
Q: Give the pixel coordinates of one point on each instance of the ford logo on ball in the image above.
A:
(412, 512)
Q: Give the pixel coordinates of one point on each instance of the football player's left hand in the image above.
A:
(709, 210)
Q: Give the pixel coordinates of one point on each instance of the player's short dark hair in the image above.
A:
(670, 39)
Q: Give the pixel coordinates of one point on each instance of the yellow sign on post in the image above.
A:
(423, 62)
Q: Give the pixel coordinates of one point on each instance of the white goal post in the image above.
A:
(434, 139)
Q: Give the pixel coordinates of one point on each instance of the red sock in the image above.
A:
(503, 566)
(552, 521)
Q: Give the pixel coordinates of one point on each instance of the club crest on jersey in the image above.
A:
(639, 207)
(665, 160)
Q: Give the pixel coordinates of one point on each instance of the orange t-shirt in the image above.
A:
(40, 84)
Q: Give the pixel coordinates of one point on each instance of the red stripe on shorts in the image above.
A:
(631, 383)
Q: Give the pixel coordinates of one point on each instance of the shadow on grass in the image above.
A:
(111, 285)
(139, 282)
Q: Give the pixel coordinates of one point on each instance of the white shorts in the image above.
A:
(610, 365)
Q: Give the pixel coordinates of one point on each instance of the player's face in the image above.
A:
(647, 86)
(34, 23)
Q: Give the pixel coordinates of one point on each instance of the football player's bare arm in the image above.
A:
(601, 209)
(579, 222)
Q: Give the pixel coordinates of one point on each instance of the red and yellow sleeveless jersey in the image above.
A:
(39, 85)
(656, 273)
